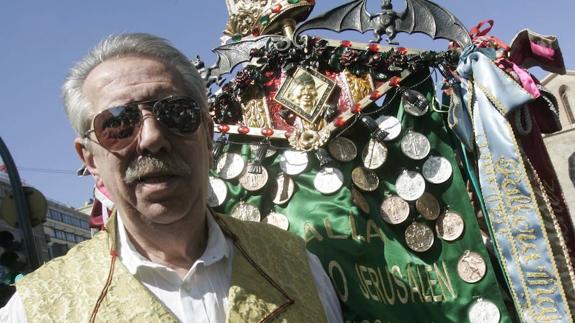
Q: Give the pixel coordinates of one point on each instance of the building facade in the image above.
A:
(64, 227)
(561, 145)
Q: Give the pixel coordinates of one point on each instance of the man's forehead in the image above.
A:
(125, 79)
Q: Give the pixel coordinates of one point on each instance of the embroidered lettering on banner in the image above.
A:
(415, 284)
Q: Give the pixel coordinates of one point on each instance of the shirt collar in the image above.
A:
(217, 247)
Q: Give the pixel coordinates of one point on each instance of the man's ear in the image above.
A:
(87, 157)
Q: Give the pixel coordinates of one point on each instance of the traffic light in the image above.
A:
(10, 258)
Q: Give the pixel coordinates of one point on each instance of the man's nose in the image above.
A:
(152, 137)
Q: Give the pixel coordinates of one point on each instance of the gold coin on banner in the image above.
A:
(428, 206)
(365, 179)
(419, 237)
(342, 149)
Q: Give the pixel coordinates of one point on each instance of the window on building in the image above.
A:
(55, 215)
(66, 219)
(70, 237)
(564, 94)
(60, 234)
(80, 239)
(58, 249)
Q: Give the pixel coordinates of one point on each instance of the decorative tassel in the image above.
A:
(256, 166)
(323, 157)
(219, 146)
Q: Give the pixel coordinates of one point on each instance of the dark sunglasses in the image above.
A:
(117, 127)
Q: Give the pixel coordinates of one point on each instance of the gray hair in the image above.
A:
(132, 44)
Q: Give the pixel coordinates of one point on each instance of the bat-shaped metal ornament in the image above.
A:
(231, 55)
(420, 16)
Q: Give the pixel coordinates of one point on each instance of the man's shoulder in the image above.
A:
(77, 260)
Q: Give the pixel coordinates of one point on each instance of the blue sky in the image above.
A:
(40, 40)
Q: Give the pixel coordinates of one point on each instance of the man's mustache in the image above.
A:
(153, 165)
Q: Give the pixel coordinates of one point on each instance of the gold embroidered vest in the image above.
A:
(271, 282)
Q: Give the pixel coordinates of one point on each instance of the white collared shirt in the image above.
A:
(202, 296)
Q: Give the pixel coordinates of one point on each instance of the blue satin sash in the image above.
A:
(519, 231)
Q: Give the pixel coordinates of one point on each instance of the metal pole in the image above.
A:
(21, 206)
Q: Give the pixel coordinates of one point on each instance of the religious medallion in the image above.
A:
(437, 169)
(428, 206)
(450, 226)
(277, 219)
(365, 179)
(342, 149)
(394, 210)
(253, 181)
(230, 166)
(419, 237)
(217, 192)
(410, 185)
(374, 154)
(328, 180)
(246, 212)
(483, 311)
(390, 125)
(415, 145)
(293, 162)
(471, 267)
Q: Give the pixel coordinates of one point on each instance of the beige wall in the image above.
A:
(561, 145)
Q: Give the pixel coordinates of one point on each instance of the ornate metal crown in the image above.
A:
(249, 18)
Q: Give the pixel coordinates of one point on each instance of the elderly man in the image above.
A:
(140, 110)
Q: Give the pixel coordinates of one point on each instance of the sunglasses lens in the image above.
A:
(115, 127)
(180, 115)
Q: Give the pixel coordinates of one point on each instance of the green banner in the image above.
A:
(378, 278)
